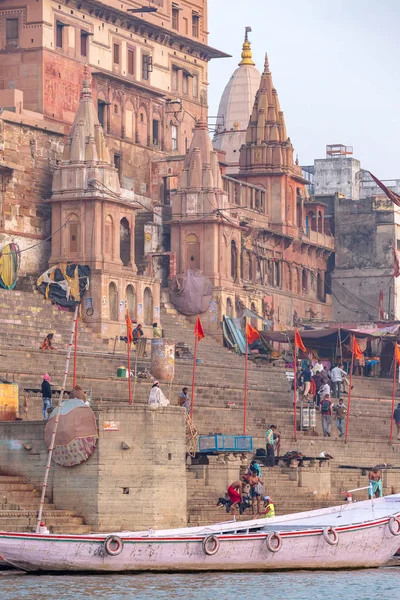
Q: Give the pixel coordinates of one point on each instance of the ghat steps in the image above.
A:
(19, 503)
(25, 318)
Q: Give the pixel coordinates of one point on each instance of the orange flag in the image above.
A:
(251, 334)
(298, 341)
(358, 353)
(198, 330)
(397, 353)
(129, 334)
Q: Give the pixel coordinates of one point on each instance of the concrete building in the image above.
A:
(366, 229)
(235, 108)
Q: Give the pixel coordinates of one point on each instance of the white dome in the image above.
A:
(234, 112)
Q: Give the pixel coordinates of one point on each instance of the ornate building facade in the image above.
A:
(256, 234)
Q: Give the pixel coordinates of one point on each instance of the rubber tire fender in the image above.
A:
(391, 522)
(110, 541)
(273, 536)
(327, 536)
(206, 549)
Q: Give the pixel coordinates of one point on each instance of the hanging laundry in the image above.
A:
(9, 265)
(64, 284)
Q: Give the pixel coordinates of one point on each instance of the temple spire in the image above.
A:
(247, 55)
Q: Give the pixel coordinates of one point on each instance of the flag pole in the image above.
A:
(246, 375)
(194, 373)
(129, 372)
(295, 391)
(75, 348)
(349, 392)
(393, 394)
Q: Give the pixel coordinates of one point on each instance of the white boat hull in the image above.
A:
(367, 543)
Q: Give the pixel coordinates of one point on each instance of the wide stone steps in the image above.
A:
(19, 503)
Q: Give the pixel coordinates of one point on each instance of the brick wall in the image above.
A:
(30, 153)
(152, 469)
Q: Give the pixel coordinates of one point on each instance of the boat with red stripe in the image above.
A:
(353, 535)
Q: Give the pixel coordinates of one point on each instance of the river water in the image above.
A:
(374, 584)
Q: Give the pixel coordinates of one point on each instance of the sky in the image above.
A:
(335, 65)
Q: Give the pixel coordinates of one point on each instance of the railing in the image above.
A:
(225, 443)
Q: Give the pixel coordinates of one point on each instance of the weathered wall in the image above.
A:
(29, 147)
(337, 175)
(365, 236)
(153, 469)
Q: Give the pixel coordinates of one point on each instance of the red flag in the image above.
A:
(396, 271)
(395, 198)
(129, 333)
(198, 330)
(397, 353)
(358, 353)
(251, 334)
(298, 341)
(381, 314)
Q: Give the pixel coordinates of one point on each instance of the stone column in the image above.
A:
(163, 359)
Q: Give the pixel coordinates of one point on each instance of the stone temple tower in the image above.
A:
(200, 234)
(93, 224)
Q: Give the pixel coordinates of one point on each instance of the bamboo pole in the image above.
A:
(53, 437)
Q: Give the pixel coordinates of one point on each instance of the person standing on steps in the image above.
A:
(270, 446)
(396, 417)
(340, 412)
(326, 413)
(46, 395)
(337, 375)
(183, 399)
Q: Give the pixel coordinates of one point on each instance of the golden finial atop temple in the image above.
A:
(247, 55)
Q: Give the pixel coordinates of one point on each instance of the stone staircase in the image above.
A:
(25, 318)
(19, 503)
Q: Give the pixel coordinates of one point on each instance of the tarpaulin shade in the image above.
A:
(64, 284)
(9, 265)
(190, 292)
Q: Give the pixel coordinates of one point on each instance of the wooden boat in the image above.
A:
(352, 535)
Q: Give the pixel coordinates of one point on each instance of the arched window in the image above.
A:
(131, 301)
(250, 266)
(192, 251)
(298, 290)
(320, 222)
(109, 236)
(148, 307)
(299, 211)
(125, 242)
(320, 287)
(229, 308)
(312, 221)
(289, 281)
(277, 274)
(74, 231)
(129, 122)
(113, 301)
(142, 127)
(244, 265)
(304, 281)
(253, 320)
(234, 261)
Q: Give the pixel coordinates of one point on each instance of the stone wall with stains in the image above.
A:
(29, 149)
(366, 233)
(135, 479)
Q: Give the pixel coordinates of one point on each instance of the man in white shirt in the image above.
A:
(317, 368)
(337, 375)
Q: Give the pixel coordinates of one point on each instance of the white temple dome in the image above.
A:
(235, 108)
